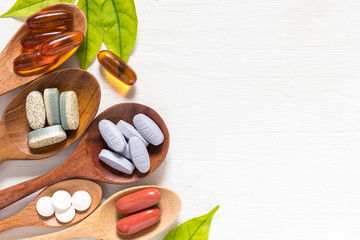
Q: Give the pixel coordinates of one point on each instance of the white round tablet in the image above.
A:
(81, 200)
(44, 207)
(65, 216)
(61, 200)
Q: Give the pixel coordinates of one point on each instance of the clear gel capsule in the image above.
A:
(50, 19)
(61, 43)
(33, 40)
(31, 63)
(117, 67)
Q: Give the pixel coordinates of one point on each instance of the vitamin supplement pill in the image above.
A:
(117, 67)
(138, 221)
(49, 19)
(61, 43)
(116, 161)
(31, 63)
(138, 201)
(112, 135)
(148, 129)
(61, 200)
(69, 110)
(66, 215)
(51, 100)
(46, 136)
(81, 200)
(126, 153)
(35, 110)
(33, 40)
(129, 131)
(139, 155)
(44, 207)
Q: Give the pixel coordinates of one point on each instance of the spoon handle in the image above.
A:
(12, 194)
(14, 221)
(89, 228)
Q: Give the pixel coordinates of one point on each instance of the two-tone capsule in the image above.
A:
(117, 67)
(50, 19)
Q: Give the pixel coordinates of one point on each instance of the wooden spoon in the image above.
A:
(84, 161)
(14, 126)
(8, 79)
(101, 224)
(29, 216)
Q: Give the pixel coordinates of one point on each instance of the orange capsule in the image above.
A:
(138, 221)
(50, 19)
(33, 40)
(61, 43)
(31, 63)
(117, 67)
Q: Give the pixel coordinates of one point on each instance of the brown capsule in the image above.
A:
(50, 19)
(33, 40)
(117, 67)
(31, 63)
(61, 43)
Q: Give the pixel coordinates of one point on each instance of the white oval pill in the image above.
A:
(81, 200)
(116, 161)
(44, 207)
(35, 110)
(126, 153)
(139, 155)
(129, 131)
(112, 135)
(148, 129)
(61, 200)
(66, 215)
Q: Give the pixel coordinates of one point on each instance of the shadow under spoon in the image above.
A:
(14, 127)
(29, 216)
(84, 161)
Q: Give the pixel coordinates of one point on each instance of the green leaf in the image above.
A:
(120, 24)
(94, 34)
(193, 229)
(28, 7)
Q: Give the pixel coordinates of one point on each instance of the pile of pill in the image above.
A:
(140, 206)
(49, 39)
(63, 205)
(146, 131)
(60, 110)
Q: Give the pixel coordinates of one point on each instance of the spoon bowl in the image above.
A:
(102, 223)
(29, 217)
(84, 162)
(14, 126)
(8, 79)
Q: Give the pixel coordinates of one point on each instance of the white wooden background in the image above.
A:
(262, 100)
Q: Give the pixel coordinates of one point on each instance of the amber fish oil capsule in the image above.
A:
(61, 43)
(33, 40)
(50, 19)
(31, 63)
(117, 67)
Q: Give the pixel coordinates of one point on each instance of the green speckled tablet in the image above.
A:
(51, 99)
(69, 110)
(46, 136)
